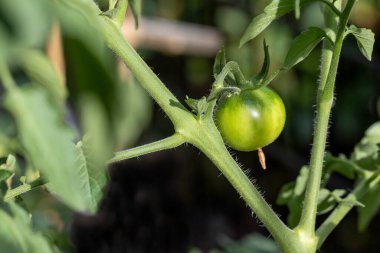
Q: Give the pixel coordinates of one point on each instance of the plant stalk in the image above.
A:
(209, 141)
(177, 113)
(167, 143)
(324, 104)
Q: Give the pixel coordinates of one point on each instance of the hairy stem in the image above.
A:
(13, 193)
(325, 101)
(177, 113)
(209, 141)
(167, 143)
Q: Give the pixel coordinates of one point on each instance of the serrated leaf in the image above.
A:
(303, 45)
(48, 142)
(91, 173)
(371, 201)
(16, 234)
(365, 39)
(136, 11)
(273, 11)
(219, 62)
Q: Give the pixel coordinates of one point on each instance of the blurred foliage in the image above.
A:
(59, 133)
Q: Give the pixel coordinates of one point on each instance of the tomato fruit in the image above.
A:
(251, 119)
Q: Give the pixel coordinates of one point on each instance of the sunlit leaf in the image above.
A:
(368, 144)
(303, 45)
(292, 195)
(371, 201)
(365, 39)
(273, 11)
(92, 174)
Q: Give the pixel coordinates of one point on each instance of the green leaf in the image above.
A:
(136, 11)
(48, 143)
(28, 22)
(219, 62)
(327, 200)
(368, 144)
(341, 165)
(303, 45)
(273, 11)
(292, 195)
(365, 39)
(91, 173)
(41, 71)
(16, 234)
(371, 201)
(5, 174)
(286, 194)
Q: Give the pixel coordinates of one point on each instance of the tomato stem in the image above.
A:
(167, 143)
(324, 104)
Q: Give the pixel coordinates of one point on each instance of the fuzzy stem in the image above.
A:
(13, 193)
(177, 113)
(167, 143)
(209, 141)
(325, 101)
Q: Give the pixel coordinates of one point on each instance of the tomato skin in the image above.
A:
(251, 119)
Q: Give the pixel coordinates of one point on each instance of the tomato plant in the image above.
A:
(251, 119)
(71, 165)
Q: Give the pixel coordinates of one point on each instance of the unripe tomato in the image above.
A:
(251, 119)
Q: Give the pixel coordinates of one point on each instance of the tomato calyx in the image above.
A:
(230, 80)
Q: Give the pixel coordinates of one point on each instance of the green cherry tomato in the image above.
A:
(250, 120)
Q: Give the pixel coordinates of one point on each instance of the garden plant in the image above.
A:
(39, 149)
